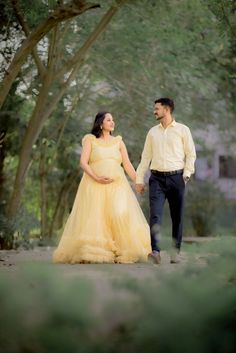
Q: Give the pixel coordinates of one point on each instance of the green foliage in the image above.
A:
(36, 11)
(57, 324)
(204, 204)
(25, 222)
(6, 14)
(225, 12)
(6, 229)
(153, 59)
(195, 313)
(21, 226)
(189, 310)
(227, 217)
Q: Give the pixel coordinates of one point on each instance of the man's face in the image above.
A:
(159, 111)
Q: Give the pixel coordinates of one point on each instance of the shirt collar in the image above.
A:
(173, 123)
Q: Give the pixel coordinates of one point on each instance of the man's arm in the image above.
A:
(144, 164)
(190, 154)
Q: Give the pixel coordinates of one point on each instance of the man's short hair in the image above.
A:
(166, 102)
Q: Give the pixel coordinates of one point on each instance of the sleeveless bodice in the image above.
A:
(105, 150)
(105, 158)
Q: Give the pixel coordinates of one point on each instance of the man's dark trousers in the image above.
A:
(170, 187)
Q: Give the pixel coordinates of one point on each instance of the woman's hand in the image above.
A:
(104, 180)
(140, 188)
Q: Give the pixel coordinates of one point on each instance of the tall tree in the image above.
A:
(56, 80)
(61, 13)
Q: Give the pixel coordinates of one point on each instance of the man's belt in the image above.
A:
(173, 172)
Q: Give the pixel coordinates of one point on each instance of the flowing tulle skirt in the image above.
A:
(106, 225)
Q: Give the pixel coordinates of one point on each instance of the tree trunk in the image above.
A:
(60, 14)
(43, 192)
(2, 157)
(58, 215)
(32, 132)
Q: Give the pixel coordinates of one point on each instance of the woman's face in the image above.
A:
(108, 123)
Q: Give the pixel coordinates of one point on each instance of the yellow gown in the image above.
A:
(106, 224)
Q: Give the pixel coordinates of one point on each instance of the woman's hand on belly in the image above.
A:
(104, 180)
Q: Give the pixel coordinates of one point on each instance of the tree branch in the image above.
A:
(61, 13)
(80, 54)
(26, 30)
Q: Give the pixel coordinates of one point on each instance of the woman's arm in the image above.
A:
(128, 167)
(84, 159)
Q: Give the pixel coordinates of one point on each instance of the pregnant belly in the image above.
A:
(108, 168)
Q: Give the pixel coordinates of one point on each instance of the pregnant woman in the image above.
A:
(106, 224)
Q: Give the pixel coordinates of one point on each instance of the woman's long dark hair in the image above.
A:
(96, 129)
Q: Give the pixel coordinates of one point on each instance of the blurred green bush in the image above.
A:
(204, 204)
(192, 309)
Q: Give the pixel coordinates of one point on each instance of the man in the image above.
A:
(169, 148)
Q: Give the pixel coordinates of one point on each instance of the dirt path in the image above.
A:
(16, 264)
(13, 261)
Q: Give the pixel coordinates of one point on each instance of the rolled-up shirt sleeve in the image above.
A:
(145, 160)
(190, 153)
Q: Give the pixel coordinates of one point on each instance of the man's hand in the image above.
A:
(186, 179)
(139, 188)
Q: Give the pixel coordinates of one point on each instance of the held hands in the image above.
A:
(104, 180)
(139, 188)
(186, 179)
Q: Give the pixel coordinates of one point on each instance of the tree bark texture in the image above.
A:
(61, 205)
(43, 191)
